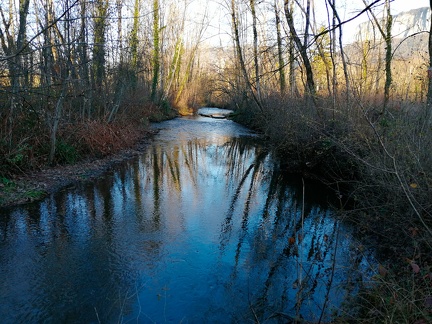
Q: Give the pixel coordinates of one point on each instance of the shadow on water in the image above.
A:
(203, 227)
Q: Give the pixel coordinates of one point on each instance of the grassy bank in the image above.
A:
(380, 166)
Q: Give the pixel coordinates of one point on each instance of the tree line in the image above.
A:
(68, 62)
(84, 77)
(65, 63)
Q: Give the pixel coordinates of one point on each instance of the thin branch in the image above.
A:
(26, 44)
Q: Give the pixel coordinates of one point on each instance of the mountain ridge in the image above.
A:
(405, 24)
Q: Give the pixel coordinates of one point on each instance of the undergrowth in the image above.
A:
(380, 166)
(26, 146)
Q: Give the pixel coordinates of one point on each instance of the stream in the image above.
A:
(203, 227)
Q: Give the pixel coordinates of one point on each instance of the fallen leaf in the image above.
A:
(291, 240)
(414, 185)
(415, 267)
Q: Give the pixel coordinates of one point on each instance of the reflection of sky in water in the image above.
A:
(200, 228)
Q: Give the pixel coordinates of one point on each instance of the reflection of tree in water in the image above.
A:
(113, 237)
(293, 249)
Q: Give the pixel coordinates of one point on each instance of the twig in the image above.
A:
(399, 177)
(330, 283)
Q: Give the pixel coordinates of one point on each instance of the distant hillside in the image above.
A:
(405, 25)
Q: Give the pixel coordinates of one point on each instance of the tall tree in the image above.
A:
(13, 45)
(302, 47)
(239, 53)
(281, 63)
(134, 36)
(255, 48)
(156, 50)
(291, 56)
(332, 4)
(429, 94)
(84, 70)
(100, 24)
(386, 34)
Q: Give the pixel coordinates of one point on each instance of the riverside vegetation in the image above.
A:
(381, 172)
(357, 117)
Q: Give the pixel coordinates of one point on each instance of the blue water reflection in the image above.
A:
(201, 228)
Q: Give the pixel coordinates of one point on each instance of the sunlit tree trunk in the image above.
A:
(429, 93)
(255, 49)
(175, 63)
(133, 43)
(342, 53)
(239, 53)
(281, 63)
(119, 4)
(291, 56)
(386, 34)
(156, 50)
(388, 57)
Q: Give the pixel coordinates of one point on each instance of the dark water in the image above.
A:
(202, 228)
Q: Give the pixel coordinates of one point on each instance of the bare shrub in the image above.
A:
(100, 139)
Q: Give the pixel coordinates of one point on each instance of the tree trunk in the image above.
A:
(255, 49)
(156, 50)
(281, 67)
(85, 84)
(134, 45)
(101, 14)
(302, 48)
(387, 36)
(239, 53)
(388, 59)
(429, 93)
(291, 55)
(12, 47)
(342, 53)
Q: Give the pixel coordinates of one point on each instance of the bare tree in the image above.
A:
(255, 49)
(100, 24)
(156, 50)
(339, 25)
(302, 47)
(429, 94)
(12, 45)
(281, 63)
(239, 53)
(386, 33)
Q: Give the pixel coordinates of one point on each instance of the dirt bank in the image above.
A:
(25, 188)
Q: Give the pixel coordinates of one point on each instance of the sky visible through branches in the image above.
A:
(219, 30)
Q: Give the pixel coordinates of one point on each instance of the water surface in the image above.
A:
(203, 227)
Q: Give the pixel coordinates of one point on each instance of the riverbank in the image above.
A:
(380, 167)
(84, 151)
(35, 185)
